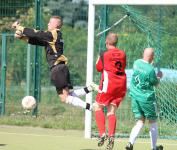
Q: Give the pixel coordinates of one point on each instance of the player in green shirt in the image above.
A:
(142, 94)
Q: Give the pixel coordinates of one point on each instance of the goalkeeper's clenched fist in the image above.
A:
(18, 33)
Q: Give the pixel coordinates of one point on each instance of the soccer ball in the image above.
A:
(28, 102)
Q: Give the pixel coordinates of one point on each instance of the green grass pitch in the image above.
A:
(28, 138)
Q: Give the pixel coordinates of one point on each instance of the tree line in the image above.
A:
(131, 39)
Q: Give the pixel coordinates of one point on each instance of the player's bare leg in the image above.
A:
(64, 94)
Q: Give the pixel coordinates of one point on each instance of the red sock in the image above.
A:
(100, 120)
(111, 125)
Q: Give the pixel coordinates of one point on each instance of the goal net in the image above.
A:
(138, 27)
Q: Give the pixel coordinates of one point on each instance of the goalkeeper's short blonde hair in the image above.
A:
(60, 20)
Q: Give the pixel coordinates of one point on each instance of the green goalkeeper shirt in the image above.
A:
(142, 82)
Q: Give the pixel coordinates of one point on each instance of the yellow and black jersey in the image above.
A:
(52, 40)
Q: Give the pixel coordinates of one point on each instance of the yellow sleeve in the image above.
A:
(24, 38)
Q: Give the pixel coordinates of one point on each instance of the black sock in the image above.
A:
(87, 106)
(86, 90)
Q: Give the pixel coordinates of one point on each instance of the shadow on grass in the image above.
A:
(3, 144)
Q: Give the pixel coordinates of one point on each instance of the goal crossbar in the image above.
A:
(132, 2)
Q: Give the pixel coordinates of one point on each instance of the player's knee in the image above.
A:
(141, 121)
(62, 98)
(152, 121)
(111, 110)
(97, 107)
(111, 113)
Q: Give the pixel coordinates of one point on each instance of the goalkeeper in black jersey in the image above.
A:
(53, 42)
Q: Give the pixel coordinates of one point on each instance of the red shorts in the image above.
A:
(112, 90)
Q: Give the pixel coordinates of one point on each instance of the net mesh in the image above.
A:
(138, 31)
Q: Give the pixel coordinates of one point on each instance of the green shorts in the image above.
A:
(147, 110)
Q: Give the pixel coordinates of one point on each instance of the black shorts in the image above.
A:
(60, 77)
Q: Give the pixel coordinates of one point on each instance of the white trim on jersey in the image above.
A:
(105, 82)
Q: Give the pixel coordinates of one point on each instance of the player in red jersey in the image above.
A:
(112, 88)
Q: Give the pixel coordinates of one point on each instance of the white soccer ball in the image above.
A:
(28, 102)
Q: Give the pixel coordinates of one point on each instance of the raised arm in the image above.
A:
(44, 36)
(32, 36)
(154, 79)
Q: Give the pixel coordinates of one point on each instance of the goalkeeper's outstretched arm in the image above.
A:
(32, 36)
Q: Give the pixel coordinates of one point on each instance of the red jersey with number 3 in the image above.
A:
(112, 86)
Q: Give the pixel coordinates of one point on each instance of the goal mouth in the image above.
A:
(151, 37)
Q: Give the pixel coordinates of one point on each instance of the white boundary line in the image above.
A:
(57, 136)
(31, 134)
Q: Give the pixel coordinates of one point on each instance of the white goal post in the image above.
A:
(90, 43)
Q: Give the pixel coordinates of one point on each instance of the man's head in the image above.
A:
(55, 22)
(111, 40)
(148, 54)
